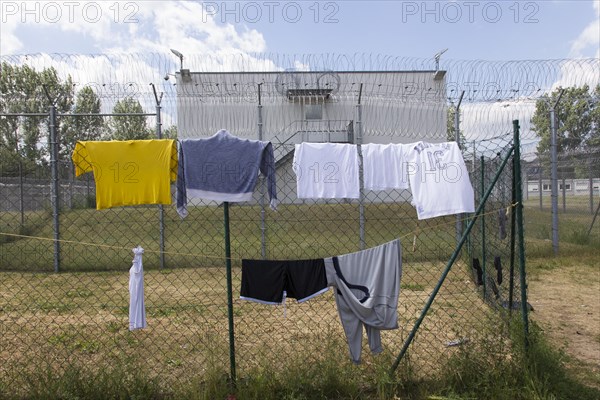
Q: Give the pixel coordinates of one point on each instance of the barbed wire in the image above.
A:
(397, 92)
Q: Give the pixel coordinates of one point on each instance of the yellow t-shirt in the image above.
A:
(128, 172)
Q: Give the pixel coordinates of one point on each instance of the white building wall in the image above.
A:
(397, 107)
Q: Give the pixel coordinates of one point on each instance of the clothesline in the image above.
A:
(418, 231)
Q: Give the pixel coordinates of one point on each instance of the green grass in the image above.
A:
(101, 240)
(573, 227)
(493, 368)
(68, 338)
(497, 369)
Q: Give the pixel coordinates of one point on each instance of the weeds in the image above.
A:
(498, 369)
(121, 381)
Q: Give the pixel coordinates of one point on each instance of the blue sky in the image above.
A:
(488, 30)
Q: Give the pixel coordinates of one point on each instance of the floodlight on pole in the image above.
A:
(178, 54)
(438, 75)
(437, 58)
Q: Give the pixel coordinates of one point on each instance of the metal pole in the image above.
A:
(54, 188)
(161, 210)
(564, 194)
(21, 194)
(459, 217)
(591, 183)
(540, 182)
(526, 183)
(71, 183)
(511, 277)
(263, 186)
(520, 227)
(554, 182)
(229, 293)
(361, 182)
(483, 244)
(554, 178)
(453, 258)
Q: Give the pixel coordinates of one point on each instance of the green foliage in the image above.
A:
(129, 127)
(580, 237)
(578, 119)
(22, 91)
(451, 125)
(121, 381)
(170, 132)
(578, 130)
(81, 128)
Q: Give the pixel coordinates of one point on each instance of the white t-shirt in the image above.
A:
(439, 179)
(137, 309)
(326, 171)
(384, 167)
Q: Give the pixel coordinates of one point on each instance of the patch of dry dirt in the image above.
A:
(566, 300)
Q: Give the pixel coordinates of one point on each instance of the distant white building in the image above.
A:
(574, 187)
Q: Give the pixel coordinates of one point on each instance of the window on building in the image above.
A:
(546, 187)
(313, 111)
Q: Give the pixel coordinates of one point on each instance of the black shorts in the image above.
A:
(264, 281)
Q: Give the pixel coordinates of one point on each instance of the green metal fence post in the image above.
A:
(483, 243)
(229, 293)
(519, 216)
(511, 278)
(453, 258)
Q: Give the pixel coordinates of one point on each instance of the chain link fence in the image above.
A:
(578, 197)
(64, 265)
(79, 316)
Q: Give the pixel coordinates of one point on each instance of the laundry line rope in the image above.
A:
(413, 233)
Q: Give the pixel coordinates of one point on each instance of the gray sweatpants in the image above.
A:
(368, 286)
(353, 330)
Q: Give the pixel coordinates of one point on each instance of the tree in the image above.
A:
(170, 132)
(577, 127)
(451, 126)
(81, 127)
(129, 127)
(22, 91)
(594, 139)
(578, 114)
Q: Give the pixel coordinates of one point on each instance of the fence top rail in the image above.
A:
(107, 115)
(79, 114)
(24, 114)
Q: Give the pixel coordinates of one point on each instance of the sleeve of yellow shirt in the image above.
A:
(81, 159)
(174, 155)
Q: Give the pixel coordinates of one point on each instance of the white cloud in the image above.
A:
(136, 38)
(129, 27)
(578, 72)
(588, 41)
(9, 42)
(187, 27)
